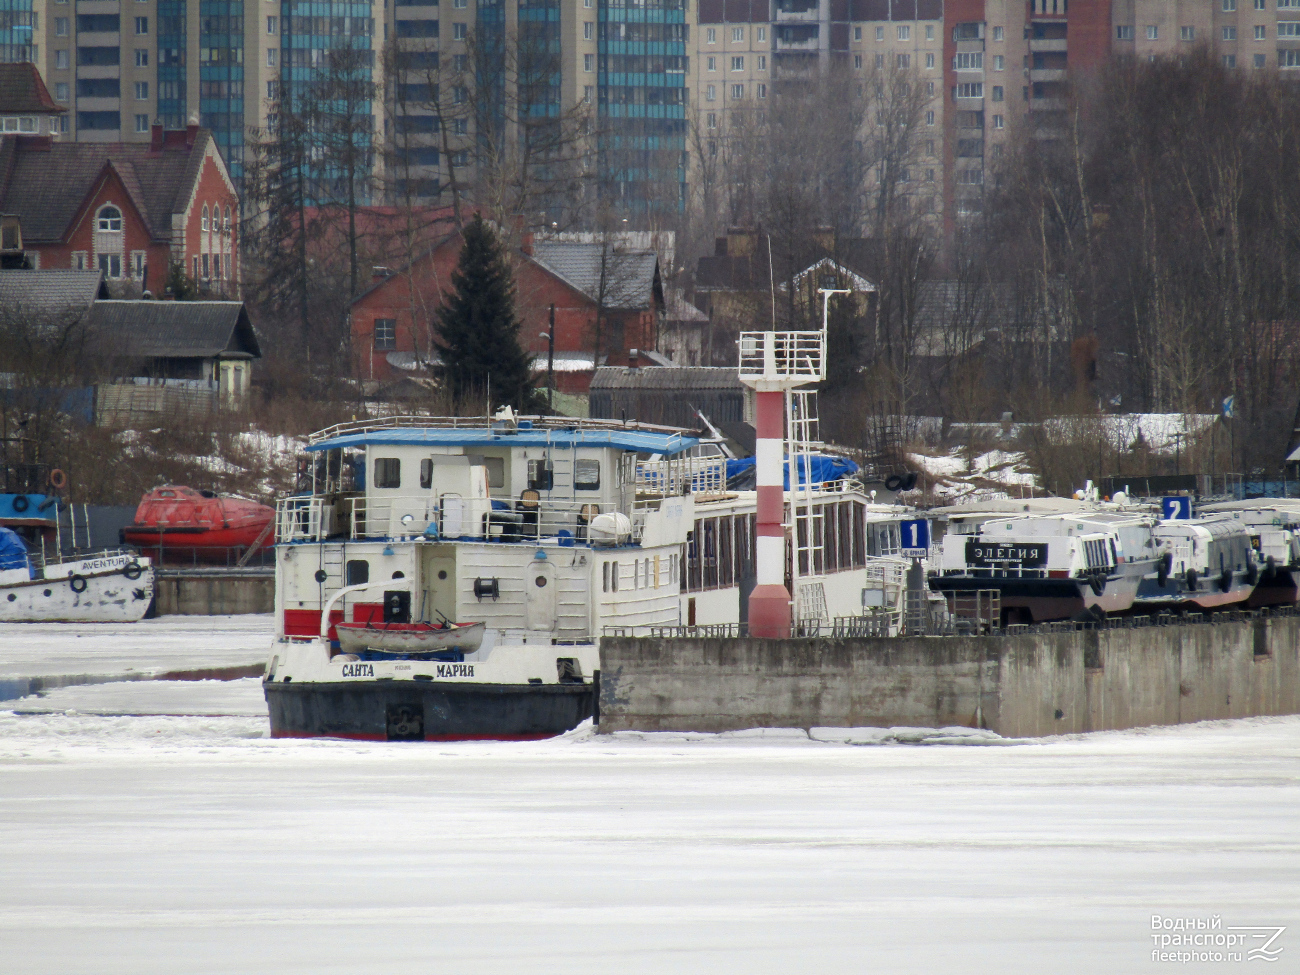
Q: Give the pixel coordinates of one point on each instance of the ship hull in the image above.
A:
(1044, 600)
(425, 710)
(79, 594)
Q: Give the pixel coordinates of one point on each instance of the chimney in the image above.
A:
(633, 359)
(526, 243)
(156, 137)
(741, 241)
(192, 130)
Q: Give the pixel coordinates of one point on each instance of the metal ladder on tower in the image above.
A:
(806, 523)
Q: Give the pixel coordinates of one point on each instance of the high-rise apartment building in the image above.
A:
(470, 80)
(120, 65)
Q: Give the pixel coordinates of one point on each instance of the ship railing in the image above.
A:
(447, 517)
(354, 427)
(782, 356)
(696, 475)
(301, 519)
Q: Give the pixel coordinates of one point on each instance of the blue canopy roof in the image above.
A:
(640, 441)
(13, 553)
(822, 468)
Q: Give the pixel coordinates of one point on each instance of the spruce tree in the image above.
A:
(478, 333)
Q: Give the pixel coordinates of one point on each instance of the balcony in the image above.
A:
(1038, 45)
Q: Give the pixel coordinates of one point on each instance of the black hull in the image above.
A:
(423, 711)
(1023, 600)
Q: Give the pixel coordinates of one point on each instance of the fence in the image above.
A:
(879, 623)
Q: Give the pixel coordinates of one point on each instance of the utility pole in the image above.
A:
(550, 361)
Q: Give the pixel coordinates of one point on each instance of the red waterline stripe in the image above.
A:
(370, 736)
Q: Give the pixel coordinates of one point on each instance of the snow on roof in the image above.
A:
(640, 441)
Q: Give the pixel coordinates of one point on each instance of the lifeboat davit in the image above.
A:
(204, 523)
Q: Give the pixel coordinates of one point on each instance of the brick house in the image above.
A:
(128, 210)
(391, 323)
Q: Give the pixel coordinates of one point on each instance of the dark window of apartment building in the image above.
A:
(103, 23)
(417, 28)
(99, 56)
(415, 124)
(99, 88)
(99, 120)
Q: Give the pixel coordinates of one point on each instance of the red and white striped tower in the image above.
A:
(772, 364)
(769, 602)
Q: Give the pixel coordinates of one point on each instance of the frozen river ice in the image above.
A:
(153, 827)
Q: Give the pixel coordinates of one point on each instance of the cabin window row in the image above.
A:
(719, 552)
(839, 540)
(651, 572)
(541, 474)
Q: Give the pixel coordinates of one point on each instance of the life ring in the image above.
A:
(21, 503)
(58, 480)
(132, 570)
(76, 583)
(893, 482)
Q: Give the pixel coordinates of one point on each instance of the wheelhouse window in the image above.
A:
(358, 572)
(586, 475)
(541, 476)
(426, 473)
(388, 472)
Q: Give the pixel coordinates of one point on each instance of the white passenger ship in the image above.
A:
(549, 532)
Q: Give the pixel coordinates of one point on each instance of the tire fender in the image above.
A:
(76, 583)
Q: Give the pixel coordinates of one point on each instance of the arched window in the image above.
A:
(205, 218)
(110, 219)
(226, 225)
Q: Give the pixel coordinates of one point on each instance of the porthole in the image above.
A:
(12, 597)
(47, 592)
(540, 582)
(442, 573)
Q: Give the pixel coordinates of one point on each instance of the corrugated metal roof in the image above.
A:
(176, 329)
(628, 277)
(669, 378)
(49, 293)
(639, 441)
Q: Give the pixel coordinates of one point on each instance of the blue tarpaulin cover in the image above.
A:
(821, 469)
(13, 553)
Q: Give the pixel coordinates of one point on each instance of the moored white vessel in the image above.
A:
(548, 532)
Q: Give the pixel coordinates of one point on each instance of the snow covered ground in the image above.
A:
(152, 827)
(987, 476)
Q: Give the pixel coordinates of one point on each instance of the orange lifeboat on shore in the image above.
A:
(204, 523)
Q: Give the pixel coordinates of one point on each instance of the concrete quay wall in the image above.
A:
(1038, 683)
(213, 592)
